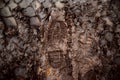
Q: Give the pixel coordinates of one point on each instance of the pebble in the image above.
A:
(108, 21)
(12, 5)
(97, 14)
(117, 60)
(118, 28)
(17, 1)
(82, 1)
(34, 21)
(5, 12)
(83, 38)
(29, 12)
(118, 42)
(47, 4)
(10, 21)
(59, 5)
(42, 15)
(61, 16)
(109, 36)
(11, 46)
(1, 25)
(2, 4)
(36, 5)
(6, 1)
(1, 44)
(58, 15)
(103, 42)
(1, 34)
(41, 1)
(109, 53)
(20, 72)
(15, 40)
(100, 27)
(25, 3)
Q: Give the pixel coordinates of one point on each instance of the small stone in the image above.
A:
(1, 34)
(108, 21)
(15, 40)
(5, 12)
(94, 3)
(47, 4)
(54, 0)
(2, 4)
(83, 38)
(117, 60)
(59, 5)
(103, 42)
(109, 53)
(12, 5)
(1, 47)
(34, 21)
(42, 15)
(98, 14)
(20, 72)
(1, 44)
(61, 16)
(34, 31)
(10, 21)
(118, 28)
(25, 3)
(82, 1)
(10, 46)
(100, 27)
(104, 1)
(1, 25)
(29, 12)
(41, 1)
(109, 36)
(36, 5)
(17, 1)
(57, 15)
(2, 41)
(6, 1)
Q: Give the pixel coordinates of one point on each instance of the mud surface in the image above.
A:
(59, 40)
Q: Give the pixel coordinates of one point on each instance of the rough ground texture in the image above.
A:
(59, 40)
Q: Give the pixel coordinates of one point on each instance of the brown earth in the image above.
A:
(59, 40)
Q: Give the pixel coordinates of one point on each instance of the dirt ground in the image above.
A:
(59, 40)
